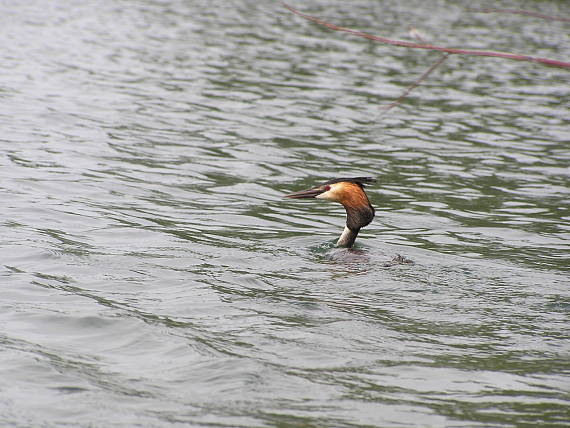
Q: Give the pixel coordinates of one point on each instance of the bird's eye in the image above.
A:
(327, 188)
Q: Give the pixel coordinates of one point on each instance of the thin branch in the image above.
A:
(418, 36)
(414, 85)
(516, 57)
(521, 12)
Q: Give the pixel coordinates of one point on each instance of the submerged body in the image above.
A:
(350, 193)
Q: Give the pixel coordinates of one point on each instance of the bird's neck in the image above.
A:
(356, 218)
(347, 238)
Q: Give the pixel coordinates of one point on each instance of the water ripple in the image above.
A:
(151, 267)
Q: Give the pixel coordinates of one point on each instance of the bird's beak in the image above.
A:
(306, 194)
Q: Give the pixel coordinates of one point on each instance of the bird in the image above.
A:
(350, 193)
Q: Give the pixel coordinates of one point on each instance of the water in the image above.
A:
(152, 274)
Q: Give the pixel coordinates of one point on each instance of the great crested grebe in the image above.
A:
(350, 193)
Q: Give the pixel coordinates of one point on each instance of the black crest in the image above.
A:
(361, 181)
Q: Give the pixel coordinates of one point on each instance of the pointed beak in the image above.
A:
(305, 194)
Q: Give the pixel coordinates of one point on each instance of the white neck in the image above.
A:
(347, 238)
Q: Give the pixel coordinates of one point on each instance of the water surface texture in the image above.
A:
(152, 274)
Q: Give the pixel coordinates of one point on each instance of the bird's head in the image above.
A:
(347, 191)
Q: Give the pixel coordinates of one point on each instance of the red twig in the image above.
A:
(521, 12)
(414, 85)
(506, 55)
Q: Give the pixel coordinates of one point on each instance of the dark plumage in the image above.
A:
(361, 181)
